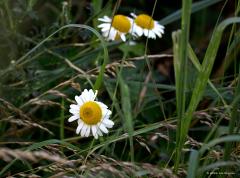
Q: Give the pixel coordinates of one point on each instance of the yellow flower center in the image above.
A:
(90, 113)
(121, 23)
(144, 21)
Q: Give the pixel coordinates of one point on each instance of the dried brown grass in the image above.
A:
(10, 113)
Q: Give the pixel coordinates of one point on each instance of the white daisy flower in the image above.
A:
(116, 28)
(92, 116)
(145, 25)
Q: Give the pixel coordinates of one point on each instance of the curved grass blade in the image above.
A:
(196, 155)
(99, 80)
(195, 7)
(204, 75)
(192, 164)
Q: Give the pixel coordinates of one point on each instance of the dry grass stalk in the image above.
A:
(143, 91)
(11, 107)
(102, 166)
(192, 142)
(28, 124)
(154, 56)
(111, 68)
(57, 93)
(14, 115)
(42, 102)
(52, 91)
(25, 175)
(109, 166)
(8, 155)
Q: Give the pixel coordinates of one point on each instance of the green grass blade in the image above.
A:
(113, 139)
(177, 70)
(229, 138)
(195, 7)
(196, 155)
(127, 111)
(198, 66)
(192, 164)
(204, 74)
(182, 79)
(208, 62)
(218, 165)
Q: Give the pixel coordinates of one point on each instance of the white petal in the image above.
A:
(88, 131)
(159, 28)
(94, 130)
(99, 132)
(96, 136)
(85, 95)
(102, 20)
(105, 19)
(133, 15)
(80, 121)
(108, 123)
(161, 31)
(74, 106)
(104, 25)
(79, 128)
(145, 31)
(152, 34)
(158, 33)
(131, 20)
(105, 34)
(73, 118)
(112, 34)
(139, 31)
(123, 37)
(102, 105)
(106, 29)
(78, 99)
(91, 95)
(74, 111)
(106, 112)
(103, 128)
(84, 129)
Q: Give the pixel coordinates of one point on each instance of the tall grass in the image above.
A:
(201, 81)
(181, 73)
